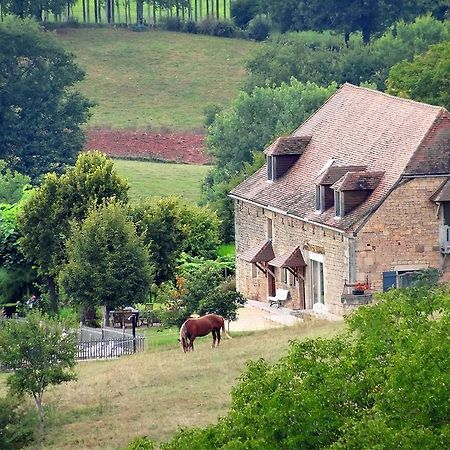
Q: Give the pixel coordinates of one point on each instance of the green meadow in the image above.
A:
(155, 79)
(153, 179)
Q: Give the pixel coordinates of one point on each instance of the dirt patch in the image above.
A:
(177, 147)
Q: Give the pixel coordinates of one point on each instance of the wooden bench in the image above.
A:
(281, 296)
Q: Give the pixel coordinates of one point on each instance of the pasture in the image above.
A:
(154, 393)
(155, 80)
(153, 179)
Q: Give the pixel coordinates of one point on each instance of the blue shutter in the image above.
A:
(389, 280)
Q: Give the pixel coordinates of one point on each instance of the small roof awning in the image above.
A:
(442, 194)
(292, 259)
(261, 253)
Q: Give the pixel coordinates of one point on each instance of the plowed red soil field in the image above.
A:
(177, 147)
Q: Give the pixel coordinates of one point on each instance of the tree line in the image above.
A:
(127, 12)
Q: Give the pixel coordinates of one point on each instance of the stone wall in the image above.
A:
(403, 234)
(251, 230)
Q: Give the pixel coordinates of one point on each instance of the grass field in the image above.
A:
(155, 79)
(155, 393)
(152, 179)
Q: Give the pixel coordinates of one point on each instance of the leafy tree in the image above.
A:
(12, 184)
(41, 353)
(426, 79)
(45, 220)
(169, 228)
(40, 112)
(323, 57)
(23, 8)
(107, 263)
(242, 11)
(383, 384)
(347, 16)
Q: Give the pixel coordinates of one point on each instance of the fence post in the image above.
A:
(133, 325)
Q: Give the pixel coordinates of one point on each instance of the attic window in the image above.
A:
(324, 198)
(270, 168)
(339, 204)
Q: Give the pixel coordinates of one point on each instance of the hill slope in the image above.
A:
(155, 79)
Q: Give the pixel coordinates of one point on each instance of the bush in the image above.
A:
(172, 23)
(190, 27)
(141, 443)
(17, 424)
(242, 11)
(224, 28)
(259, 28)
(206, 26)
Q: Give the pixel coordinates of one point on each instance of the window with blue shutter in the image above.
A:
(389, 280)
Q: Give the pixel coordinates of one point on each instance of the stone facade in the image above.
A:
(402, 234)
(315, 241)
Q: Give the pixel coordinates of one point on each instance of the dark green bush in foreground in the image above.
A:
(383, 384)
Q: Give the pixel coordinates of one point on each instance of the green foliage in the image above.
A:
(383, 384)
(259, 28)
(41, 113)
(142, 443)
(426, 79)
(12, 184)
(41, 353)
(242, 11)
(17, 427)
(169, 227)
(346, 16)
(324, 57)
(23, 8)
(107, 263)
(44, 222)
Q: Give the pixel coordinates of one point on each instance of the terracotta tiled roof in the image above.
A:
(293, 258)
(358, 181)
(357, 127)
(334, 173)
(288, 145)
(261, 253)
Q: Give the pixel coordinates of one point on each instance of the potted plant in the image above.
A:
(359, 288)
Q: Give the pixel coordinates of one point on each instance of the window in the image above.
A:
(318, 198)
(316, 279)
(269, 225)
(397, 279)
(339, 203)
(254, 271)
(270, 168)
(284, 274)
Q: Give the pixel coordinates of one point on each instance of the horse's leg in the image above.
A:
(213, 331)
(192, 344)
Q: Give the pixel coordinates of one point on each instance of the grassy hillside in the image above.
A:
(149, 179)
(157, 78)
(155, 393)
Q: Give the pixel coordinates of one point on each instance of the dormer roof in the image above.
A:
(357, 127)
(358, 181)
(288, 145)
(334, 173)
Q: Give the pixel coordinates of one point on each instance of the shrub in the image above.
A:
(206, 26)
(224, 28)
(242, 11)
(141, 443)
(17, 424)
(190, 27)
(172, 23)
(259, 28)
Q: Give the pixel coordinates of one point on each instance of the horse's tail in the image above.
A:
(224, 330)
(183, 337)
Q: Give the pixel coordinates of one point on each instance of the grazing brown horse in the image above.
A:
(201, 327)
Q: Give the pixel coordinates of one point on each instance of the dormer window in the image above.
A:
(353, 189)
(283, 154)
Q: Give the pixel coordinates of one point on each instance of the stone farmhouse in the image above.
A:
(353, 202)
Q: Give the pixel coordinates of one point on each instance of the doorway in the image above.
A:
(317, 282)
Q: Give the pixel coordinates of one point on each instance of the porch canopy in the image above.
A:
(259, 254)
(293, 259)
(442, 194)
